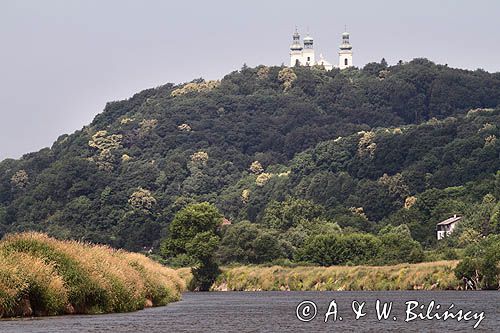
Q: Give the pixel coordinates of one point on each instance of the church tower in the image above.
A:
(296, 50)
(345, 53)
(308, 53)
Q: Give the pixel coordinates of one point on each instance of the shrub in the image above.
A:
(333, 249)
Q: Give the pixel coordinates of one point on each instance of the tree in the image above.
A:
(195, 231)
(398, 246)
(20, 179)
(480, 266)
(287, 76)
(289, 213)
(256, 167)
(248, 243)
(202, 249)
(484, 215)
(333, 249)
(142, 199)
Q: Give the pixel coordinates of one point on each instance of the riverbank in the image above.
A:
(42, 276)
(423, 276)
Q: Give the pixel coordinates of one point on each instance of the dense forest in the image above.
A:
(294, 159)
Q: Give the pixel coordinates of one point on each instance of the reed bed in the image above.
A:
(426, 276)
(40, 275)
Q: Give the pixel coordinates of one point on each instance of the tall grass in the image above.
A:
(428, 276)
(43, 276)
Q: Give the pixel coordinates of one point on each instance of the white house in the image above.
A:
(446, 227)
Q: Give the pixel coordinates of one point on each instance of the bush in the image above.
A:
(398, 246)
(331, 249)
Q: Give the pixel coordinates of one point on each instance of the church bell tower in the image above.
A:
(308, 53)
(345, 53)
(296, 50)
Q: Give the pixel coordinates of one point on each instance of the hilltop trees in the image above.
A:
(354, 149)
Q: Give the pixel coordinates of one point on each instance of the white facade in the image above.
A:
(345, 53)
(325, 64)
(304, 55)
(445, 228)
(296, 51)
(308, 52)
(296, 58)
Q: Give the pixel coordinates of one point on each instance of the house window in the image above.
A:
(308, 58)
(345, 61)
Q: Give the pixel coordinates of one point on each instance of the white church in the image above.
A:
(305, 56)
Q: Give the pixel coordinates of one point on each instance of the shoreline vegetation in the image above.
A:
(42, 276)
(437, 275)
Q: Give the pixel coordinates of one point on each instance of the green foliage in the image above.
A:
(290, 213)
(248, 243)
(203, 246)
(411, 144)
(481, 266)
(194, 232)
(204, 276)
(327, 250)
(392, 245)
(190, 221)
(397, 245)
(180, 260)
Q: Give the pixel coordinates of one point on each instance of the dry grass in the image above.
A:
(428, 276)
(43, 276)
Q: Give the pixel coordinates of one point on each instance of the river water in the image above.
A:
(277, 312)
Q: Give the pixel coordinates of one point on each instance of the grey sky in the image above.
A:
(61, 61)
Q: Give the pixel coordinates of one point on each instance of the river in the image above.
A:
(277, 312)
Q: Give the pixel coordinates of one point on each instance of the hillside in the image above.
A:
(363, 148)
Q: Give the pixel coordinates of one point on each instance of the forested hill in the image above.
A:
(410, 143)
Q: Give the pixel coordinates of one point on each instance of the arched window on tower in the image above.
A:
(345, 62)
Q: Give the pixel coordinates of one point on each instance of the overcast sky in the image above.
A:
(61, 61)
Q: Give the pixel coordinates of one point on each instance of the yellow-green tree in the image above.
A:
(287, 76)
(20, 179)
(142, 199)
